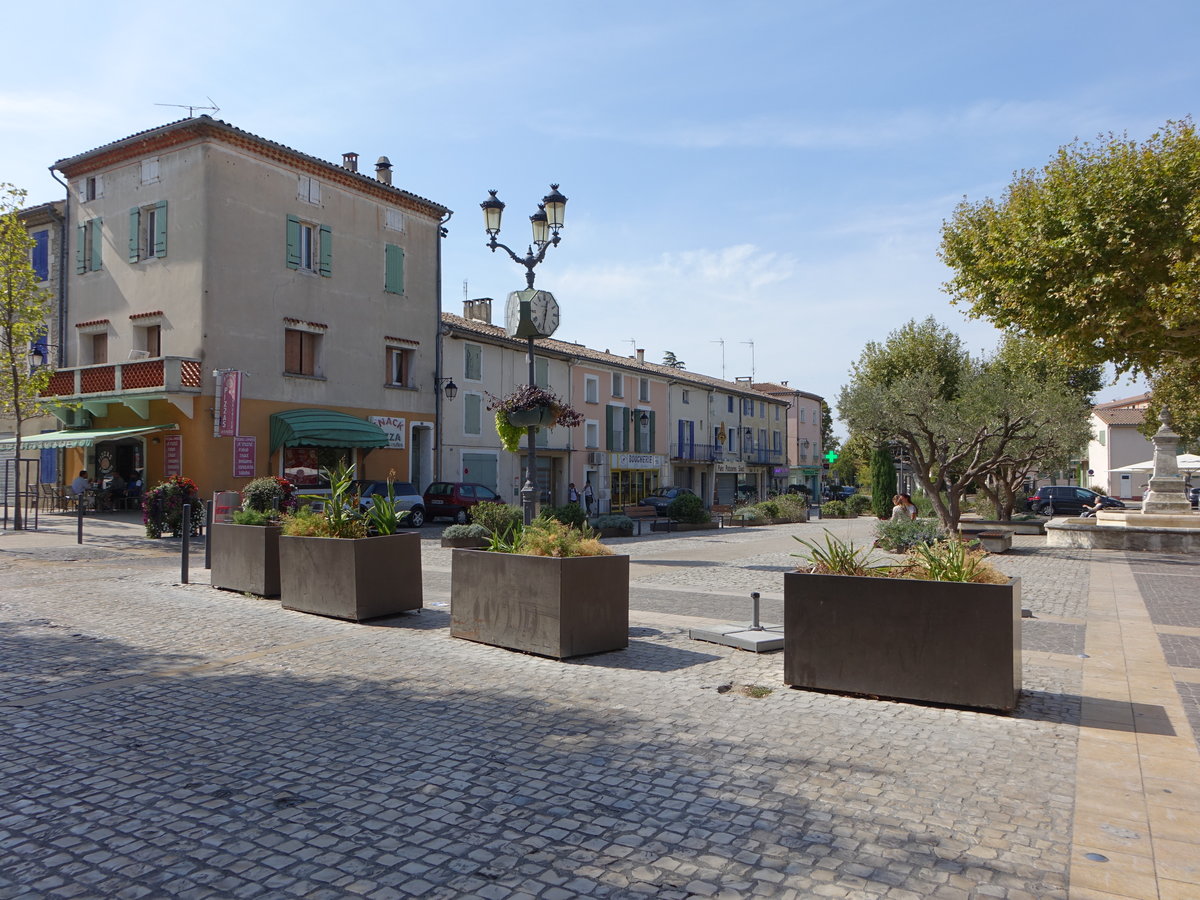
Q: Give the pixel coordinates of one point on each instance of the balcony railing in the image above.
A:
(166, 374)
(717, 453)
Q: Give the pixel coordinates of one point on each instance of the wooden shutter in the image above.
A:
(160, 230)
(393, 278)
(135, 231)
(293, 242)
(326, 268)
(97, 260)
(291, 351)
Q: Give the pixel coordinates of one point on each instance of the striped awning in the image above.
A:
(323, 428)
(80, 437)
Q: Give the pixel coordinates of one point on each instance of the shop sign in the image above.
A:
(173, 455)
(243, 456)
(779, 470)
(639, 461)
(808, 470)
(231, 403)
(393, 427)
(730, 468)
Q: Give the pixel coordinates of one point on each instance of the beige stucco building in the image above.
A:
(1116, 442)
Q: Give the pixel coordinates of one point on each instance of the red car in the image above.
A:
(454, 499)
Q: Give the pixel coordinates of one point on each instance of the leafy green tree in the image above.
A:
(829, 440)
(961, 419)
(1097, 255)
(853, 460)
(883, 481)
(670, 361)
(24, 309)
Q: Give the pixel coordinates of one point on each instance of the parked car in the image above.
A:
(662, 498)
(454, 499)
(404, 497)
(845, 492)
(1066, 499)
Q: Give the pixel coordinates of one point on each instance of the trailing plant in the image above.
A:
(474, 530)
(524, 398)
(162, 506)
(859, 504)
(269, 493)
(688, 508)
(838, 557)
(951, 560)
(833, 509)
(619, 522)
(497, 517)
(903, 534)
(568, 514)
(252, 517)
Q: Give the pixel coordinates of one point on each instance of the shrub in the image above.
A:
(859, 504)
(474, 530)
(549, 537)
(749, 514)
(833, 509)
(792, 507)
(621, 523)
(251, 517)
(269, 493)
(497, 517)
(688, 508)
(883, 483)
(924, 507)
(951, 560)
(162, 507)
(769, 509)
(568, 514)
(904, 534)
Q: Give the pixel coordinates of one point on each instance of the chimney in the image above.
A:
(383, 170)
(478, 310)
(350, 161)
(641, 356)
(784, 383)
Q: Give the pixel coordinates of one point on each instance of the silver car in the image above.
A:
(404, 497)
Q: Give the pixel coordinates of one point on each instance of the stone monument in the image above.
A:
(1167, 495)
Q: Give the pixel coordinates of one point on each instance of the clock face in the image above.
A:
(512, 313)
(544, 313)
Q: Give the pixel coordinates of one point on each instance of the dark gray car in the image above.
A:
(662, 498)
(1067, 500)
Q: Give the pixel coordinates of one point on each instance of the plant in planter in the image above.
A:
(833, 509)
(900, 633)
(547, 588)
(858, 504)
(469, 536)
(568, 514)
(162, 507)
(902, 535)
(269, 494)
(497, 518)
(330, 567)
(529, 405)
(613, 525)
(246, 559)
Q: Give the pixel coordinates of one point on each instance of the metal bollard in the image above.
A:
(755, 626)
(186, 526)
(79, 524)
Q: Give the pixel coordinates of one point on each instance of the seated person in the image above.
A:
(80, 484)
(116, 485)
(1090, 511)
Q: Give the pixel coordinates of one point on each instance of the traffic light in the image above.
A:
(825, 466)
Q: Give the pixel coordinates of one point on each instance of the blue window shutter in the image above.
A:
(160, 230)
(393, 279)
(326, 250)
(97, 261)
(40, 257)
(293, 242)
(81, 249)
(135, 232)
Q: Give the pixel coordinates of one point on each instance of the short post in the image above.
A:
(755, 625)
(186, 525)
(208, 516)
(79, 516)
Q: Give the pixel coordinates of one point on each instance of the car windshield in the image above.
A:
(439, 489)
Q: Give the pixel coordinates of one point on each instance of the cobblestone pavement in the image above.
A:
(169, 740)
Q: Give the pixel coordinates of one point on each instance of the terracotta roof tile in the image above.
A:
(1120, 416)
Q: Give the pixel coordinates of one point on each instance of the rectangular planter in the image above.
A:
(245, 558)
(995, 541)
(540, 604)
(935, 641)
(355, 579)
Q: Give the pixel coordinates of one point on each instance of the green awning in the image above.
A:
(81, 438)
(323, 428)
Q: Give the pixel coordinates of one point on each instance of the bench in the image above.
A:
(722, 512)
(642, 514)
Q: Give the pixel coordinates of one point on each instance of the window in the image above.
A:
(776, 413)
(762, 438)
(747, 406)
(591, 389)
(618, 385)
(472, 362)
(150, 170)
(644, 390)
(302, 352)
(762, 408)
(309, 190)
(686, 396)
(729, 403)
(149, 339)
(1102, 436)
(802, 411)
(148, 232)
(591, 434)
(399, 366)
(393, 220)
(39, 255)
(91, 188)
(99, 347)
(393, 269)
(309, 247)
(88, 247)
(618, 437)
(472, 413)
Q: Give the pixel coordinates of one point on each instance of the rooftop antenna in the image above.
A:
(722, 343)
(192, 107)
(464, 289)
(634, 342)
(751, 343)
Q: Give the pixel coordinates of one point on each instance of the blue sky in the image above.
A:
(774, 172)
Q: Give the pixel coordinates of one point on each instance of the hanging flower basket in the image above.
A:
(523, 418)
(529, 405)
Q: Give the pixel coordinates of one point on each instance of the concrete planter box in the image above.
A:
(539, 604)
(683, 526)
(245, 558)
(465, 543)
(355, 579)
(933, 641)
(995, 541)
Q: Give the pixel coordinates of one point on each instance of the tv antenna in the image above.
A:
(722, 343)
(464, 290)
(191, 108)
(633, 341)
(751, 343)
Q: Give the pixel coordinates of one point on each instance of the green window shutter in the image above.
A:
(473, 362)
(97, 261)
(393, 279)
(472, 414)
(541, 372)
(293, 242)
(326, 250)
(627, 416)
(608, 428)
(135, 230)
(160, 230)
(81, 249)
(650, 449)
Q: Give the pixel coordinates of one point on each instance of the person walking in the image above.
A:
(587, 496)
(572, 494)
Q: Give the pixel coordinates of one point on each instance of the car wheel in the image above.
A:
(1045, 509)
(460, 517)
(416, 517)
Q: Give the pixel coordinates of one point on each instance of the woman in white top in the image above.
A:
(899, 509)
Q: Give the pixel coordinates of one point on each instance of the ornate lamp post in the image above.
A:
(530, 314)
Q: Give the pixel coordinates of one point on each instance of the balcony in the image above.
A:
(695, 452)
(133, 383)
(718, 453)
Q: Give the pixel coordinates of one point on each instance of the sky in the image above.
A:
(756, 187)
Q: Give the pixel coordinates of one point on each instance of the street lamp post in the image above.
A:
(532, 314)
